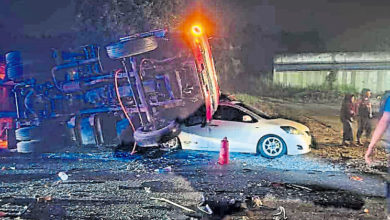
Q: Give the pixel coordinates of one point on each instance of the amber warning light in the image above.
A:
(196, 30)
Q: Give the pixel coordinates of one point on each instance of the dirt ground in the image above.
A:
(325, 126)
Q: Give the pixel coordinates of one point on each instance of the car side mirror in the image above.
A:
(246, 118)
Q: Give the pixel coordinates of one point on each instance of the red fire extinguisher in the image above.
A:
(224, 153)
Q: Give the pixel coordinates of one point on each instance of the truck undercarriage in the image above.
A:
(159, 79)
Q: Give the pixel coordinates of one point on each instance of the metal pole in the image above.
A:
(141, 91)
(16, 103)
(132, 91)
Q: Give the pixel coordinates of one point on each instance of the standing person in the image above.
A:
(347, 112)
(364, 115)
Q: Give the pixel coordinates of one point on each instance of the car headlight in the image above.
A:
(291, 130)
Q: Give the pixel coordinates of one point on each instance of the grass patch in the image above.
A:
(264, 87)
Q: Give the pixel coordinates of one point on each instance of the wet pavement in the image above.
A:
(107, 184)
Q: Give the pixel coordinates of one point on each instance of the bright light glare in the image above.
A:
(196, 30)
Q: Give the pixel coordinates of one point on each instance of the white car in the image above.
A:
(247, 129)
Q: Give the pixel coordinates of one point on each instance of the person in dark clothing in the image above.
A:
(364, 115)
(347, 112)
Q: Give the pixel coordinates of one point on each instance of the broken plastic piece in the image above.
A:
(281, 214)
(147, 189)
(172, 203)
(63, 176)
(164, 170)
(299, 187)
(206, 209)
(356, 178)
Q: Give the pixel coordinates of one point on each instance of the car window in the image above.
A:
(255, 110)
(228, 113)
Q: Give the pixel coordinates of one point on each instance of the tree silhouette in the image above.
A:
(106, 20)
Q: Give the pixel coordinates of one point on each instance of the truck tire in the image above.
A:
(27, 133)
(28, 146)
(14, 66)
(131, 47)
(154, 138)
(52, 133)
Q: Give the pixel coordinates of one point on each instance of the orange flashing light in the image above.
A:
(196, 30)
(3, 144)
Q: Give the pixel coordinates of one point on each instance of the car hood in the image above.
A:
(285, 122)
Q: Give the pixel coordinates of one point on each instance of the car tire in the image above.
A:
(27, 133)
(171, 145)
(271, 146)
(130, 48)
(29, 146)
(154, 138)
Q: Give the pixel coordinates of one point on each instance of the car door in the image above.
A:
(195, 133)
(228, 122)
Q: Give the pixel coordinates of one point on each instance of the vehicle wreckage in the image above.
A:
(161, 78)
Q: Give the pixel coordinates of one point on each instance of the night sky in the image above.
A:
(333, 19)
(341, 25)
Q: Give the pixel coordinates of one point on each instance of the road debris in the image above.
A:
(3, 214)
(294, 186)
(281, 214)
(277, 185)
(164, 170)
(246, 170)
(356, 178)
(63, 176)
(147, 189)
(257, 203)
(44, 199)
(205, 209)
(172, 203)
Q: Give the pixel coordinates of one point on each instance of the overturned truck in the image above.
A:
(160, 78)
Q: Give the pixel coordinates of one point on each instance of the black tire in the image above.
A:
(131, 47)
(52, 133)
(27, 133)
(279, 147)
(29, 146)
(154, 138)
(14, 66)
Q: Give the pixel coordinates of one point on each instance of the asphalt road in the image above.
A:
(106, 184)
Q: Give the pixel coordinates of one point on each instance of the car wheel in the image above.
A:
(171, 145)
(130, 48)
(271, 146)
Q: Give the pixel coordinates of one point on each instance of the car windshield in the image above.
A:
(255, 110)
